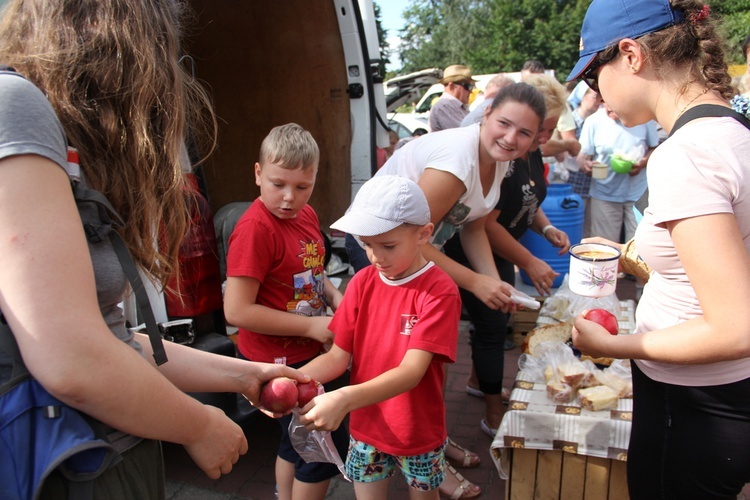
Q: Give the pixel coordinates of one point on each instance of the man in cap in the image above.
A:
(452, 107)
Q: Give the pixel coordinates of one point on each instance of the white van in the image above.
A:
(435, 91)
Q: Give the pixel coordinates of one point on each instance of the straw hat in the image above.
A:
(456, 73)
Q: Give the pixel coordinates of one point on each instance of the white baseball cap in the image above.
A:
(384, 203)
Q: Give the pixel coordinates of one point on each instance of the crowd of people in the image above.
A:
(89, 98)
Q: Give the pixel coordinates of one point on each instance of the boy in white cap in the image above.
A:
(397, 324)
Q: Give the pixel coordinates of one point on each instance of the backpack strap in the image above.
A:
(708, 110)
(110, 222)
(700, 111)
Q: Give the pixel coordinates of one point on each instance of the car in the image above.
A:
(409, 88)
(404, 124)
(436, 90)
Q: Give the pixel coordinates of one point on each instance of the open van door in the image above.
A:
(270, 63)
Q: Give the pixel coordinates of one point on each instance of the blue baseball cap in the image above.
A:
(609, 21)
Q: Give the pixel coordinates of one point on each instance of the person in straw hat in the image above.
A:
(453, 105)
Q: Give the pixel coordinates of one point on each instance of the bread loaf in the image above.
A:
(598, 398)
(623, 388)
(560, 332)
(560, 392)
(571, 374)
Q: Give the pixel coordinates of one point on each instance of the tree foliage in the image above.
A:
(735, 15)
(494, 36)
(382, 40)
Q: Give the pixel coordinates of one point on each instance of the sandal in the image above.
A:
(469, 461)
(487, 429)
(473, 391)
(477, 393)
(465, 488)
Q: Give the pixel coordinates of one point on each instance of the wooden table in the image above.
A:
(546, 450)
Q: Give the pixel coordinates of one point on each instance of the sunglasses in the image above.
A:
(591, 77)
(466, 85)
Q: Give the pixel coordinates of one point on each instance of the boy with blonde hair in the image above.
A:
(397, 325)
(275, 266)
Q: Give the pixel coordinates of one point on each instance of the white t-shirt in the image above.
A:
(704, 168)
(455, 151)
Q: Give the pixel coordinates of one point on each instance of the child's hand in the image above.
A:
(325, 412)
(318, 329)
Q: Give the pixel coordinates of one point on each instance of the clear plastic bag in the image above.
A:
(549, 355)
(565, 305)
(314, 446)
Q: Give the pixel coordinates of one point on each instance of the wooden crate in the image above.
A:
(554, 474)
(525, 320)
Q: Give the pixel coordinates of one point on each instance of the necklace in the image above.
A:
(528, 169)
(691, 101)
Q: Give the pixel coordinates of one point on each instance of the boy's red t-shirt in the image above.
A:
(287, 256)
(377, 322)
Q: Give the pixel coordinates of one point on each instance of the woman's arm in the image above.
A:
(554, 236)
(242, 310)
(329, 409)
(487, 285)
(715, 259)
(48, 296)
(442, 191)
(193, 370)
(510, 249)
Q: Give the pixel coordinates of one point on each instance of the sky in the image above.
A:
(391, 20)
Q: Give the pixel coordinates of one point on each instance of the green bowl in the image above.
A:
(620, 165)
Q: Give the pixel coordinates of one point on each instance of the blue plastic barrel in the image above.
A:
(564, 209)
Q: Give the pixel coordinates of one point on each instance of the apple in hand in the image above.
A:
(279, 395)
(604, 318)
(307, 391)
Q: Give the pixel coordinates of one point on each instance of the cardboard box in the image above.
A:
(525, 320)
(555, 474)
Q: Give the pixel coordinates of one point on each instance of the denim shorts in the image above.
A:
(367, 464)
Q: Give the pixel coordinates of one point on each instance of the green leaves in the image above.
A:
(494, 36)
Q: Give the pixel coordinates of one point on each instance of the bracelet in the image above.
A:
(547, 228)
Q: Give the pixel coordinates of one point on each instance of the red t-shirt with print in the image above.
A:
(287, 257)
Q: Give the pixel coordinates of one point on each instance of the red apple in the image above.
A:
(604, 318)
(279, 395)
(307, 392)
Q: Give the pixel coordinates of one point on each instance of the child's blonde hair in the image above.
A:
(290, 146)
(553, 92)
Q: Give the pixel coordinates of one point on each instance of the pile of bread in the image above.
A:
(568, 377)
(559, 332)
(595, 389)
